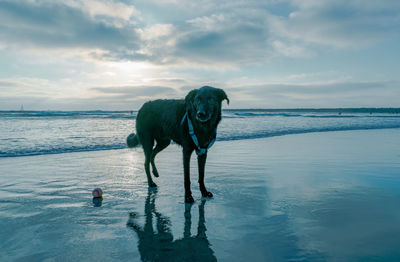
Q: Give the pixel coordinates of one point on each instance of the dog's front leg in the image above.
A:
(186, 169)
(201, 162)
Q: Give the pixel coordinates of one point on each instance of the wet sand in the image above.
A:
(312, 197)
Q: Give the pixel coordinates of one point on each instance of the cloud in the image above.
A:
(26, 86)
(278, 95)
(43, 25)
(129, 92)
(222, 34)
(316, 88)
(328, 94)
(119, 55)
(104, 98)
(109, 8)
(291, 50)
(239, 33)
(8, 84)
(223, 38)
(339, 23)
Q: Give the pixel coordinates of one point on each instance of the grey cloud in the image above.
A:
(210, 32)
(29, 102)
(239, 38)
(6, 84)
(76, 103)
(243, 32)
(340, 23)
(343, 94)
(55, 25)
(187, 88)
(242, 43)
(136, 91)
(350, 94)
(223, 36)
(316, 88)
(246, 32)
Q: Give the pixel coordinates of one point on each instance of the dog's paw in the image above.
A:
(206, 194)
(155, 173)
(152, 184)
(189, 199)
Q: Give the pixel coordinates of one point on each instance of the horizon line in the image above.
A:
(397, 109)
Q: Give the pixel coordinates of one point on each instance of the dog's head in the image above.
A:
(205, 103)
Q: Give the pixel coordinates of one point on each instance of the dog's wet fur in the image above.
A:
(160, 121)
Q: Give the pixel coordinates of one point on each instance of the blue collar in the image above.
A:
(199, 151)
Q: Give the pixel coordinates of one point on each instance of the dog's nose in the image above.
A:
(201, 114)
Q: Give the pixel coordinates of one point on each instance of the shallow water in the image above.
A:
(43, 132)
(311, 197)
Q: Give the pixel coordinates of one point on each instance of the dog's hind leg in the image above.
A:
(147, 144)
(161, 144)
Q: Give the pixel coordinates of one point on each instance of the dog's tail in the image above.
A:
(132, 140)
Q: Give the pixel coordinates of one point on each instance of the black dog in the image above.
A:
(191, 123)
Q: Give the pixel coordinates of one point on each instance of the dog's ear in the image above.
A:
(189, 98)
(222, 95)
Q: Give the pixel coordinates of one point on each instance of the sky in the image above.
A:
(116, 55)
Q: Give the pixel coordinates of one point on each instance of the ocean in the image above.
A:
(285, 189)
(24, 133)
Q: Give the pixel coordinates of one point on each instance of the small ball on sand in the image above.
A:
(97, 192)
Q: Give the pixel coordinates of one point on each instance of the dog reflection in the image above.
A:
(160, 245)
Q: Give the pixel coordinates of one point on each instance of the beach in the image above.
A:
(328, 196)
(297, 104)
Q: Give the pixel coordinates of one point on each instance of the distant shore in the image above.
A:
(386, 110)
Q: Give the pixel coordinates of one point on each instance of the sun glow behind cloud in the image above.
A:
(110, 54)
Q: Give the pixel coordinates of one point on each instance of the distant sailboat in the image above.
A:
(22, 108)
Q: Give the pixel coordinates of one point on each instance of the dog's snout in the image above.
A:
(201, 114)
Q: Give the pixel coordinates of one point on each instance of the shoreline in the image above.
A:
(284, 133)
